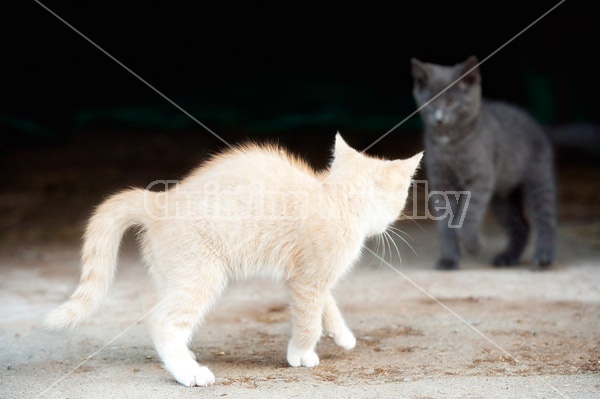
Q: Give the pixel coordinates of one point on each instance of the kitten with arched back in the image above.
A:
(254, 210)
(495, 151)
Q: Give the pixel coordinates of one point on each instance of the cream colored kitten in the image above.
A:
(253, 210)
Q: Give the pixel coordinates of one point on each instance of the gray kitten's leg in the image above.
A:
(474, 209)
(509, 212)
(182, 304)
(307, 303)
(334, 324)
(449, 248)
(540, 195)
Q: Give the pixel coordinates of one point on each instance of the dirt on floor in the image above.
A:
(480, 332)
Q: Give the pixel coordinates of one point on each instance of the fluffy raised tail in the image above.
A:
(99, 256)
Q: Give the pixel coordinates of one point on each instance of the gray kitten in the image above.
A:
(492, 149)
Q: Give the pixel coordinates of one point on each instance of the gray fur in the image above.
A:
(494, 150)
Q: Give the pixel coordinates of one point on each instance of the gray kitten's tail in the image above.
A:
(576, 136)
(99, 256)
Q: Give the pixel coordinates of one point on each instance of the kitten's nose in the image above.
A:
(438, 116)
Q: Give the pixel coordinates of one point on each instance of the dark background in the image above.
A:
(297, 67)
(75, 125)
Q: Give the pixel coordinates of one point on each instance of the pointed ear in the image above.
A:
(419, 73)
(411, 165)
(341, 147)
(470, 67)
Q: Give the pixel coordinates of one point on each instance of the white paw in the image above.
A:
(301, 357)
(345, 339)
(192, 375)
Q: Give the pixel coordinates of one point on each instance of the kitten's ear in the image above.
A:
(405, 168)
(471, 68)
(341, 147)
(411, 165)
(419, 72)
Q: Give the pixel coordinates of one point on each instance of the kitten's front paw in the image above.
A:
(446, 264)
(541, 262)
(345, 339)
(505, 259)
(192, 375)
(301, 357)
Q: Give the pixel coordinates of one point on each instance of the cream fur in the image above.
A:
(253, 210)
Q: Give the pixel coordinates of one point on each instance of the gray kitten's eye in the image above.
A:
(420, 83)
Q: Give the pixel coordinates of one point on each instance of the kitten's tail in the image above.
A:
(99, 256)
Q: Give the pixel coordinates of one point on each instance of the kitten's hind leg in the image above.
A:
(307, 310)
(510, 213)
(334, 324)
(540, 196)
(183, 302)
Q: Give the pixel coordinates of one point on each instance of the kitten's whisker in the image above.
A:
(384, 245)
(377, 243)
(405, 241)
(392, 227)
(400, 231)
(395, 246)
(407, 217)
(385, 239)
(396, 230)
(383, 248)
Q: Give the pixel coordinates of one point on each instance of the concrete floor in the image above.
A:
(476, 333)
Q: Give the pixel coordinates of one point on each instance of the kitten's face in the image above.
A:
(458, 104)
(380, 186)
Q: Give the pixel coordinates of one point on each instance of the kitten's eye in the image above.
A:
(469, 80)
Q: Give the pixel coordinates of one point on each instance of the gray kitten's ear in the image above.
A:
(419, 72)
(471, 68)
